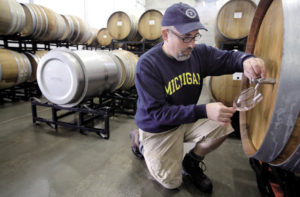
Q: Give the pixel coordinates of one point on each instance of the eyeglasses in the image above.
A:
(187, 39)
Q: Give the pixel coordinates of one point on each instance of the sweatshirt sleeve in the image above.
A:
(153, 107)
(223, 62)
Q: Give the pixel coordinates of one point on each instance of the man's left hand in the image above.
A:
(254, 67)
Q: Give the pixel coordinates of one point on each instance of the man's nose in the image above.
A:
(191, 44)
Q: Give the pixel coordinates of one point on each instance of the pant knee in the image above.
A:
(171, 183)
(167, 173)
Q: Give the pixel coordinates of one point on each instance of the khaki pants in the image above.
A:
(163, 152)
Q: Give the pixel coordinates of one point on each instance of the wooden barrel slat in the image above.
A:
(93, 38)
(42, 22)
(129, 61)
(14, 17)
(69, 31)
(76, 33)
(270, 131)
(31, 20)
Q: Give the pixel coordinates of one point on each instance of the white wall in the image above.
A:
(94, 12)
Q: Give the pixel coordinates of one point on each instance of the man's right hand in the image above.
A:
(219, 112)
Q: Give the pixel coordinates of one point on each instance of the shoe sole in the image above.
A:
(134, 148)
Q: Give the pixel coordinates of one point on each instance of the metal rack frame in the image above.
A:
(136, 47)
(84, 110)
(22, 91)
(24, 44)
(237, 44)
(122, 101)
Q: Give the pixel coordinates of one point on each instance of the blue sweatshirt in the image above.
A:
(168, 90)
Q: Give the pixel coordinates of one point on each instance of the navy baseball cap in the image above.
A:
(183, 17)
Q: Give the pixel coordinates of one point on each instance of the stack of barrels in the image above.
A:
(232, 26)
(123, 26)
(17, 68)
(43, 24)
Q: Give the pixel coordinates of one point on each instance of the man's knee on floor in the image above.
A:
(171, 183)
(170, 176)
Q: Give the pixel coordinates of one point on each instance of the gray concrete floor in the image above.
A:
(37, 161)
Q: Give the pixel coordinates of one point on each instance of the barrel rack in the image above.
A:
(109, 104)
(234, 45)
(26, 44)
(86, 113)
(121, 102)
(22, 92)
(136, 47)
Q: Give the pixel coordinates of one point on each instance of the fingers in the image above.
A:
(220, 113)
(254, 67)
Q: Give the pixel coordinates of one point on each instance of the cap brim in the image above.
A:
(189, 27)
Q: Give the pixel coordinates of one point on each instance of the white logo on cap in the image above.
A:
(190, 13)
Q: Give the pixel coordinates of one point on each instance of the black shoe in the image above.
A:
(191, 169)
(134, 135)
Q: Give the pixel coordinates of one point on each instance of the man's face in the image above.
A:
(182, 45)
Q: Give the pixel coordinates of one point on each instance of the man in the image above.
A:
(169, 79)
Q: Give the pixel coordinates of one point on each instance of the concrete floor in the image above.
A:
(37, 161)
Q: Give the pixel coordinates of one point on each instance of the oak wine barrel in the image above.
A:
(12, 17)
(149, 25)
(223, 88)
(103, 37)
(42, 23)
(233, 22)
(271, 131)
(15, 68)
(56, 26)
(122, 26)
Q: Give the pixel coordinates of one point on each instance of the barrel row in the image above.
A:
(17, 68)
(123, 26)
(68, 77)
(43, 24)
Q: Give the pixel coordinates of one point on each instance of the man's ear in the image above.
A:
(164, 34)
